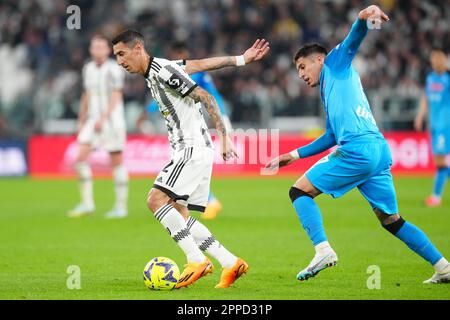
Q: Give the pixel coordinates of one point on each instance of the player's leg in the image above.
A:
(84, 173)
(213, 208)
(379, 191)
(334, 174)
(302, 195)
(175, 183)
(174, 222)
(232, 266)
(440, 177)
(113, 138)
(120, 176)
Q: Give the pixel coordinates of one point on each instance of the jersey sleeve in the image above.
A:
(116, 77)
(181, 63)
(342, 55)
(175, 78)
(324, 142)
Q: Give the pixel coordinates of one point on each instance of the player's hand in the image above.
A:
(256, 52)
(98, 125)
(373, 13)
(279, 162)
(80, 125)
(227, 148)
(418, 123)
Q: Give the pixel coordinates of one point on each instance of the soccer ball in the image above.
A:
(161, 273)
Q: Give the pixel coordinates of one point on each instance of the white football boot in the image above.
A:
(440, 277)
(321, 260)
(81, 211)
(116, 213)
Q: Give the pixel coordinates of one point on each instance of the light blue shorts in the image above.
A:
(440, 142)
(363, 164)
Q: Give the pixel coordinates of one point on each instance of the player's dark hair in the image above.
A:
(308, 49)
(438, 48)
(128, 37)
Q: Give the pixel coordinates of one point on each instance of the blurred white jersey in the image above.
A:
(170, 86)
(98, 82)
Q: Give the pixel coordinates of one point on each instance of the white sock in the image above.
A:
(120, 175)
(85, 184)
(323, 247)
(442, 266)
(174, 222)
(206, 242)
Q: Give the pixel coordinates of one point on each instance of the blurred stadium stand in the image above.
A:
(41, 59)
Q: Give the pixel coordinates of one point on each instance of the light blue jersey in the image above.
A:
(437, 91)
(205, 81)
(363, 158)
(348, 112)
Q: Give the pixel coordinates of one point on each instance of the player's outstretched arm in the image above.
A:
(341, 57)
(423, 109)
(324, 142)
(255, 53)
(227, 147)
(371, 17)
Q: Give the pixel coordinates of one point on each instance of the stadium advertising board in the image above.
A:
(13, 159)
(55, 155)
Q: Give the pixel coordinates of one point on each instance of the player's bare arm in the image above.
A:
(423, 109)
(116, 97)
(82, 115)
(227, 147)
(255, 53)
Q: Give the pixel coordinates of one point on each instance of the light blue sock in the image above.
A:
(311, 219)
(439, 181)
(418, 242)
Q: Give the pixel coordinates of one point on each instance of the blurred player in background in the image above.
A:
(436, 102)
(362, 159)
(179, 51)
(101, 123)
(183, 184)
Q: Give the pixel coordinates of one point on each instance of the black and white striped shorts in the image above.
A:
(186, 178)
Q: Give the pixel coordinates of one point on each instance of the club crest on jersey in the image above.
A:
(174, 82)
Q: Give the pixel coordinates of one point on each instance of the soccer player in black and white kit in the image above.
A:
(101, 123)
(183, 184)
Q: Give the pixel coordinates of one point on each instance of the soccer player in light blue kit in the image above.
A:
(179, 51)
(362, 159)
(437, 101)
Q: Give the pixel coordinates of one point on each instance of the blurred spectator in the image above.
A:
(41, 60)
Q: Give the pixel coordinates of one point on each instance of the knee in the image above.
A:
(84, 170)
(154, 200)
(391, 222)
(295, 193)
(440, 162)
(120, 174)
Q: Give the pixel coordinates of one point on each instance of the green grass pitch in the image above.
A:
(38, 243)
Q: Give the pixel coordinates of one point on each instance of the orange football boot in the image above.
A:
(229, 276)
(194, 271)
(212, 209)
